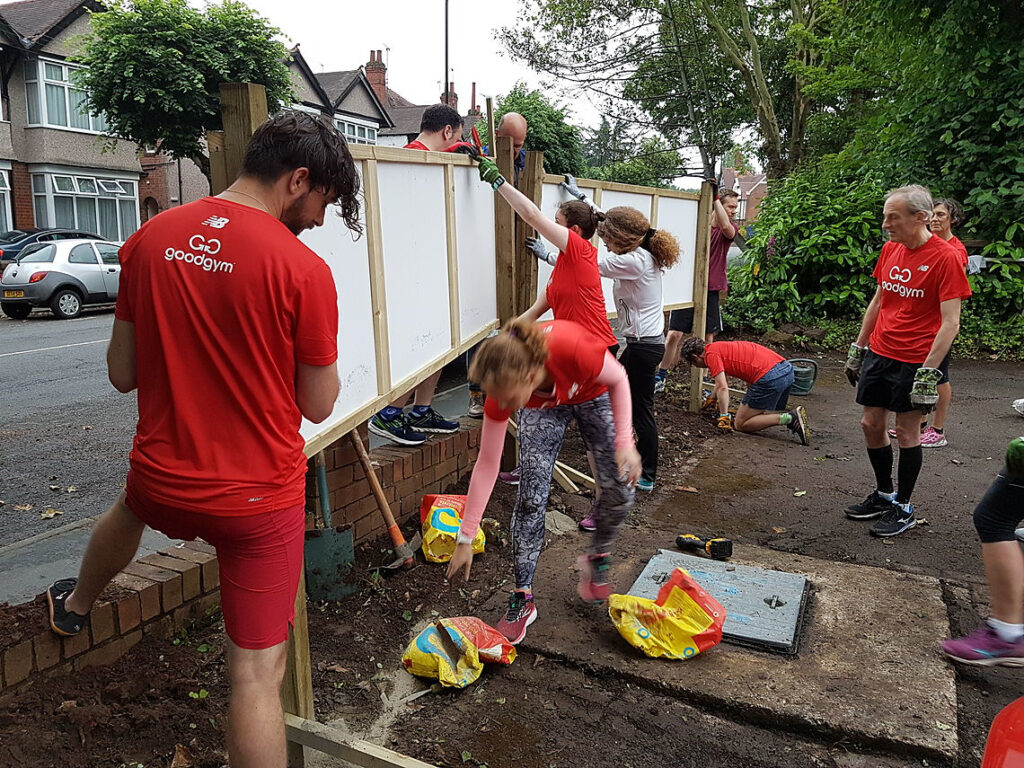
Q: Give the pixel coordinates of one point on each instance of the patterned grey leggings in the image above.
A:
(541, 431)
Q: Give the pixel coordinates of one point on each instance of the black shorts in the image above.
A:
(1000, 510)
(682, 319)
(886, 383)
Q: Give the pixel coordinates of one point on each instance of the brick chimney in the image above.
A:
(474, 110)
(450, 97)
(377, 75)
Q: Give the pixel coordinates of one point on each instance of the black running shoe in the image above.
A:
(63, 621)
(895, 521)
(875, 505)
(799, 424)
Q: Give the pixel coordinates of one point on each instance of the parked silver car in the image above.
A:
(64, 276)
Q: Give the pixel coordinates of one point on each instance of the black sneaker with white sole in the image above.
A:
(63, 621)
(875, 505)
(894, 522)
(799, 425)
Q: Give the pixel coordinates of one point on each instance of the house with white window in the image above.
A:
(53, 170)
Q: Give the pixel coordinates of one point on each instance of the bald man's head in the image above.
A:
(513, 125)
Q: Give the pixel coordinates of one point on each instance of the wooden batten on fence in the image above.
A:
(505, 235)
(531, 181)
(700, 284)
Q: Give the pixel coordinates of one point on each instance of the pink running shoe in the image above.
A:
(930, 438)
(521, 613)
(892, 434)
(594, 586)
(588, 523)
(512, 478)
(984, 648)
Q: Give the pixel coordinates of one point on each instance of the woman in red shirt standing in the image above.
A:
(551, 373)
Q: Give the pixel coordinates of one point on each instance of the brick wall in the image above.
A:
(21, 196)
(406, 473)
(157, 594)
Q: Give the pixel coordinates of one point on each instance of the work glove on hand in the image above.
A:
(710, 401)
(714, 187)
(925, 392)
(536, 246)
(569, 185)
(1015, 458)
(854, 360)
(489, 173)
(464, 148)
(725, 422)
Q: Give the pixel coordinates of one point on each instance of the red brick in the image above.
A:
(447, 444)
(169, 581)
(191, 587)
(18, 663)
(129, 612)
(367, 528)
(148, 592)
(101, 622)
(339, 477)
(210, 569)
(474, 437)
(46, 649)
(386, 473)
(417, 462)
(200, 546)
(105, 654)
(75, 645)
(446, 467)
(352, 492)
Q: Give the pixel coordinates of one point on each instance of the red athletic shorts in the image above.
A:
(260, 559)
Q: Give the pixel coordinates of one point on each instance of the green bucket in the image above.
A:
(805, 372)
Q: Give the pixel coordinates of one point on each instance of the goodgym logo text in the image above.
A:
(201, 253)
(899, 287)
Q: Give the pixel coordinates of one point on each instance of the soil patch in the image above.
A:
(22, 622)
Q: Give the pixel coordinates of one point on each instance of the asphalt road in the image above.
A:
(61, 422)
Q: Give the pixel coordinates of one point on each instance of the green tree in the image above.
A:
(547, 129)
(154, 67)
(613, 154)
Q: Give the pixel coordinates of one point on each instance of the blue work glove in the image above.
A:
(490, 174)
(925, 391)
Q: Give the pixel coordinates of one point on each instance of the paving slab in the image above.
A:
(868, 670)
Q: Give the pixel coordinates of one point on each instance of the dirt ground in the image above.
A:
(544, 712)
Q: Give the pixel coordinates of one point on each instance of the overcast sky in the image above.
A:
(340, 35)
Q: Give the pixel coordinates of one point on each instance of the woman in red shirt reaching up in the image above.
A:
(551, 373)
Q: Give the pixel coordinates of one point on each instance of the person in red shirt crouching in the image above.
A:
(551, 373)
(897, 361)
(227, 326)
(769, 379)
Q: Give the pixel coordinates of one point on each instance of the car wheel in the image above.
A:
(66, 303)
(16, 311)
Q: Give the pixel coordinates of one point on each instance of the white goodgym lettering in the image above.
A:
(901, 290)
(204, 262)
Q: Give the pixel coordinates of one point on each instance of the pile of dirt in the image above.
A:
(22, 622)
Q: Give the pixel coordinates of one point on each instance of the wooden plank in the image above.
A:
(357, 417)
(530, 184)
(378, 288)
(563, 480)
(614, 186)
(243, 109)
(575, 475)
(595, 239)
(400, 155)
(297, 687)
(678, 305)
(454, 311)
(331, 741)
(504, 237)
(655, 199)
(218, 170)
(700, 284)
(491, 143)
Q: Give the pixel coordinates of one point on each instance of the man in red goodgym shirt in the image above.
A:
(227, 326)
(896, 362)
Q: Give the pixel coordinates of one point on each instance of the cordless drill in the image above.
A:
(718, 549)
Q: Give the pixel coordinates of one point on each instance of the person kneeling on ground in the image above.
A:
(769, 379)
(551, 373)
(1001, 640)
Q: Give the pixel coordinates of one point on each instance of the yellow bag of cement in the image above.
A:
(453, 651)
(683, 621)
(441, 517)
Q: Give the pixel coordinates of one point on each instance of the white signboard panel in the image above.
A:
(679, 216)
(474, 225)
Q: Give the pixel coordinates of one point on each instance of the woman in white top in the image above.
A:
(637, 257)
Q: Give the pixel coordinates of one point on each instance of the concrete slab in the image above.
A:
(868, 669)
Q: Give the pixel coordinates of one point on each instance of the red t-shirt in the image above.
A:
(416, 144)
(718, 255)
(575, 359)
(226, 302)
(574, 289)
(741, 359)
(915, 282)
(960, 248)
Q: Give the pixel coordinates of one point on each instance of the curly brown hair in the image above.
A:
(625, 229)
(691, 349)
(510, 356)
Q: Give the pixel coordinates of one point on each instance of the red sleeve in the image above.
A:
(954, 283)
(123, 308)
(492, 411)
(576, 248)
(714, 360)
(316, 326)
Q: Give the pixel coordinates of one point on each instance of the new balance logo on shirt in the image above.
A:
(217, 222)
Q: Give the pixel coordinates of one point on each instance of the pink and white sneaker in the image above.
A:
(931, 438)
(594, 586)
(588, 523)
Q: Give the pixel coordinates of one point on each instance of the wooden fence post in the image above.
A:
(531, 181)
(297, 689)
(243, 109)
(700, 285)
(504, 235)
(218, 167)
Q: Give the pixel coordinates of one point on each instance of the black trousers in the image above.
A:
(640, 359)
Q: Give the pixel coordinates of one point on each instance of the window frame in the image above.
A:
(39, 81)
(122, 205)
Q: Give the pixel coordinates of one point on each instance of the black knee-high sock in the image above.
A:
(907, 472)
(881, 463)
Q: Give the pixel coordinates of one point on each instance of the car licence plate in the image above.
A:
(14, 294)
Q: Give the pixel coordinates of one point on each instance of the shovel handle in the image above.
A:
(382, 502)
